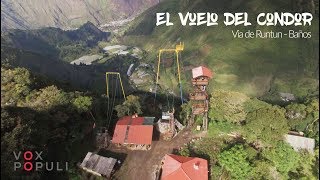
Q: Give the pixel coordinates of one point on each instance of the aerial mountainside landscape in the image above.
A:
(66, 14)
(160, 89)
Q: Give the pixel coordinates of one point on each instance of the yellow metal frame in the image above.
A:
(107, 83)
(179, 47)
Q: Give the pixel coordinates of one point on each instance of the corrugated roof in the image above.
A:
(177, 175)
(124, 120)
(298, 142)
(98, 164)
(119, 134)
(180, 167)
(136, 130)
(201, 71)
(140, 134)
(137, 121)
(148, 121)
(170, 165)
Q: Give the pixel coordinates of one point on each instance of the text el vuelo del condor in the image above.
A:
(235, 19)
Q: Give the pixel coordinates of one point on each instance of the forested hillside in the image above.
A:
(246, 138)
(256, 67)
(57, 43)
(37, 114)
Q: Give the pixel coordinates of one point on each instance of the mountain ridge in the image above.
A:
(67, 14)
(56, 42)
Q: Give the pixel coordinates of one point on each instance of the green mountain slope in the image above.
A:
(257, 67)
(82, 77)
(56, 43)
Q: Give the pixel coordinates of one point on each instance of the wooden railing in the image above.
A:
(200, 81)
(198, 96)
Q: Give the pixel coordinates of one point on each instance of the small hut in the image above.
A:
(298, 142)
(98, 165)
(134, 132)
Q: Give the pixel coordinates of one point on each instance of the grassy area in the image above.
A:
(221, 128)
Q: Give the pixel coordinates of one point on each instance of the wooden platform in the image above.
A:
(198, 96)
(201, 82)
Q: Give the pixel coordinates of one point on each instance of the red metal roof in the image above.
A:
(201, 71)
(137, 132)
(119, 134)
(124, 120)
(137, 121)
(140, 134)
(180, 167)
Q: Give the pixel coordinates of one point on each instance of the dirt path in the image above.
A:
(141, 165)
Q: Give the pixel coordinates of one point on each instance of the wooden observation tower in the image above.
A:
(199, 97)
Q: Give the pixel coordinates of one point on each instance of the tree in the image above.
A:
(283, 157)
(82, 103)
(22, 76)
(235, 160)
(262, 170)
(130, 106)
(227, 106)
(265, 126)
(304, 117)
(254, 104)
(185, 113)
(21, 130)
(307, 169)
(49, 97)
(15, 85)
(296, 115)
(312, 129)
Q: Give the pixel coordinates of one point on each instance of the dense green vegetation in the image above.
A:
(235, 160)
(265, 126)
(37, 115)
(129, 107)
(246, 138)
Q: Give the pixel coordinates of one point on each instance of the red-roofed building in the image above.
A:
(201, 71)
(137, 121)
(140, 134)
(184, 168)
(124, 120)
(134, 131)
(119, 134)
